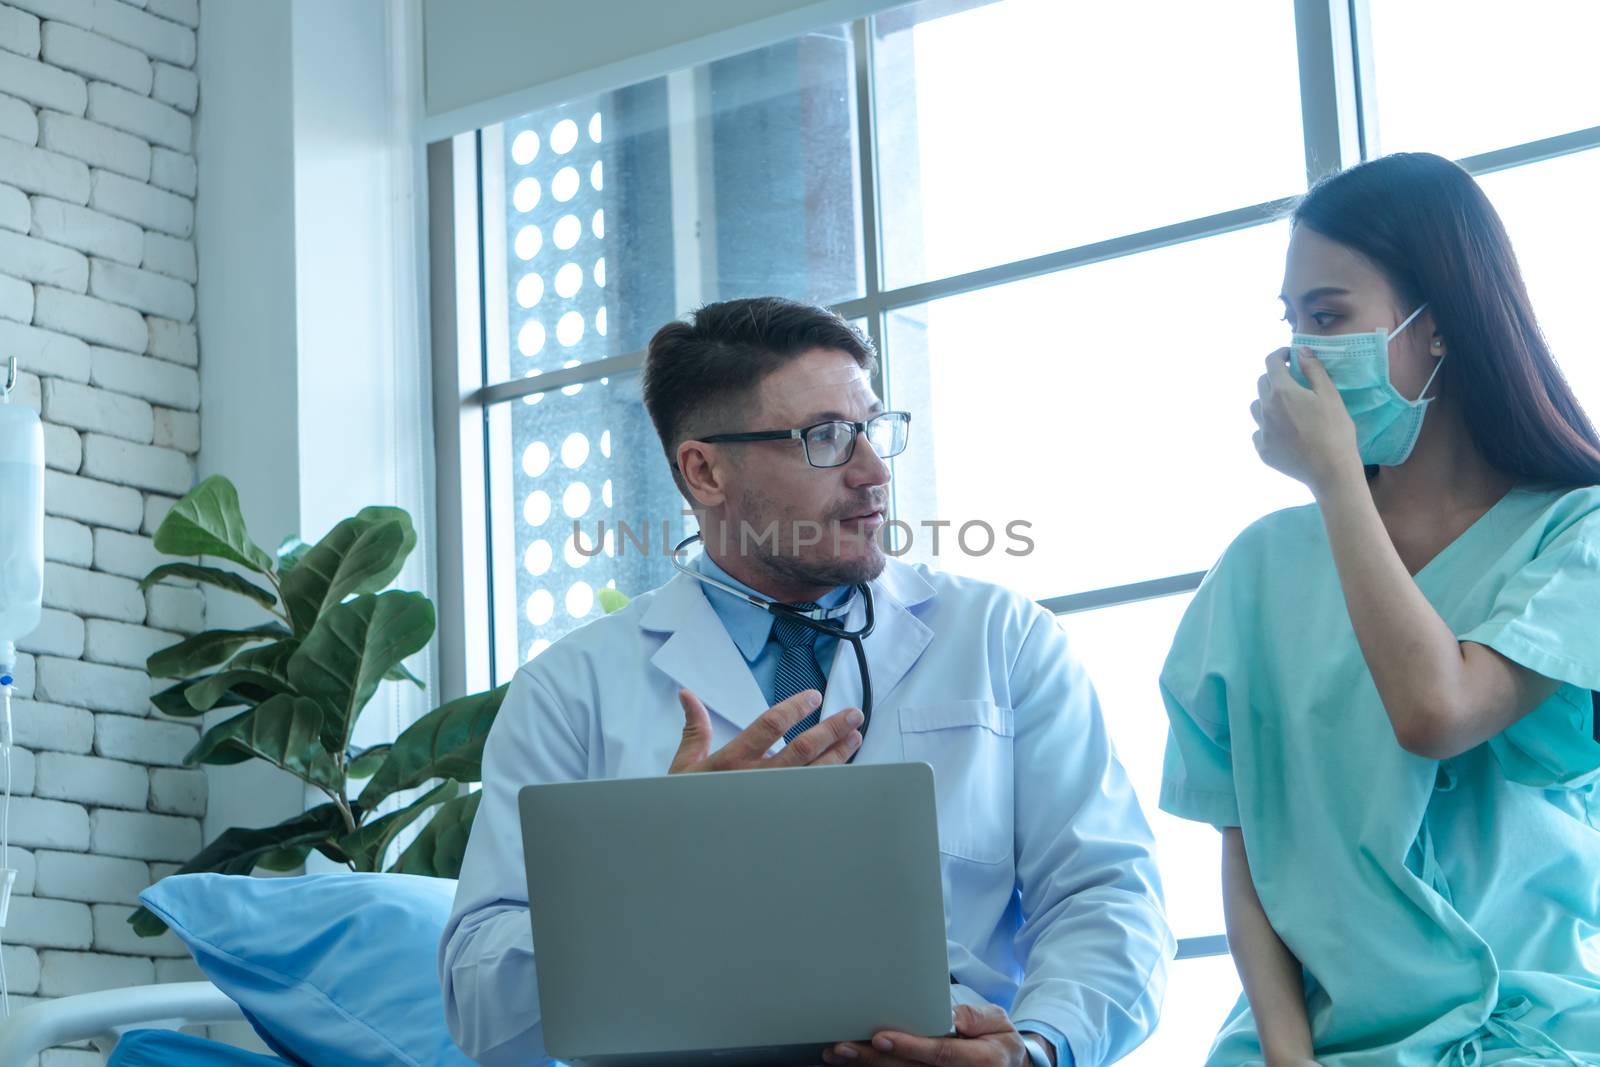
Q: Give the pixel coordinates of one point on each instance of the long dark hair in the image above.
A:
(1427, 225)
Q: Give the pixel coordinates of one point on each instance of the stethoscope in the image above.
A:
(823, 620)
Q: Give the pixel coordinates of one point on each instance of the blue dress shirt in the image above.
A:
(751, 627)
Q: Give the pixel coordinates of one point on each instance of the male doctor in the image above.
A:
(1057, 938)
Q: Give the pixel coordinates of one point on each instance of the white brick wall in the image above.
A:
(156, 740)
(60, 633)
(66, 541)
(40, 725)
(97, 275)
(122, 645)
(95, 56)
(168, 608)
(63, 974)
(173, 341)
(18, 121)
(89, 879)
(173, 171)
(86, 230)
(42, 352)
(95, 144)
(83, 407)
(85, 592)
(96, 686)
(141, 835)
(178, 792)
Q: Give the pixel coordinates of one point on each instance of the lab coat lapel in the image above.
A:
(699, 655)
(897, 642)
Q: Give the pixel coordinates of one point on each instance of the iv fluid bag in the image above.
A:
(21, 520)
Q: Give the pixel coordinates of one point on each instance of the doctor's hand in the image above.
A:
(987, 1039)
(833, 740)
(1305, 433)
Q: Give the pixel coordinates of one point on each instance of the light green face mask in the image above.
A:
(1387, 424)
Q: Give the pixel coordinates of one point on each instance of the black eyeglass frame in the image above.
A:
(801, 435)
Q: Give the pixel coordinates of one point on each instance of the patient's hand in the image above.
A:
(987, 1039)
(833, 740)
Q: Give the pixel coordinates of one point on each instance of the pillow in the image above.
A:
(331, 969)
(168, 1048)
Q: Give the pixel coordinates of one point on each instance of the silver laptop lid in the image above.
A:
(736, 910)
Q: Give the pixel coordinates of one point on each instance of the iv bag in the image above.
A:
(21, 521)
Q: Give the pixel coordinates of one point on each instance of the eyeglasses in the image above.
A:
(832, 443)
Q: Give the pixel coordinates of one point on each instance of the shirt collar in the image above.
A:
(749, 626)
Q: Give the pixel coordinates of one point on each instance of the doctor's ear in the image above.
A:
(1436, 347)
(697, 470)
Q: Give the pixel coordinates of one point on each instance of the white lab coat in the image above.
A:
(1051, 892)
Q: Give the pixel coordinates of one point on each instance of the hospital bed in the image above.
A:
(102, 1018)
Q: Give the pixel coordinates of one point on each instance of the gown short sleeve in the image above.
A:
(1197, 778)
(1547, 618)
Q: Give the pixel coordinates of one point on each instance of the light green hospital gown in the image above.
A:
(1444, 913)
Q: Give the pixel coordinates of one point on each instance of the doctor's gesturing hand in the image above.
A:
(1305, 433)
(833, 740)
(986, 1039)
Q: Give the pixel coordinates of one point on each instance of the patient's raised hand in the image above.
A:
(833, 740)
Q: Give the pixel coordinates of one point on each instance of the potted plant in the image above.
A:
(296, 684)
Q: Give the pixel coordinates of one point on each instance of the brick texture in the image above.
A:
(97, 302)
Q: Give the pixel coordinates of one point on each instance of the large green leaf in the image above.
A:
(270, 659)
(250, 677)
(401, 674)
(291, 550)
(210, 691)
(205, 650)
(216, 576)
(364, 763)
(437, 851)
(445, 743)
(362, 554)
(366, 847)
(284, 860)
(174, 700)
(208, 522)
(171, 700)
(286, 731)
(350, 649)
(239, 851)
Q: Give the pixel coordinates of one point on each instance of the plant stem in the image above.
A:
(277, 588)
(349, 816)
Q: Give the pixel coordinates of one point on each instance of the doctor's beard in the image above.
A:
(793, 562)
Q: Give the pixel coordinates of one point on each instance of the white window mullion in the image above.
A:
(1329, 88)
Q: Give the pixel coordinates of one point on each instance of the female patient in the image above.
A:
(1383, 699)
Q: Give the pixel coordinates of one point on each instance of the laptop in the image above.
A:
(741, 918)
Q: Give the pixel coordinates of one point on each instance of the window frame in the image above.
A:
(1333, 40)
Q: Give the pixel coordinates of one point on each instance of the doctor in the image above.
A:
(765, 407)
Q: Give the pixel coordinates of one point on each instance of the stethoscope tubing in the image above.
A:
(818, 621)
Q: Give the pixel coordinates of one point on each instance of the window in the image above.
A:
(1464, 77)
(1062, 224)
(992, 146)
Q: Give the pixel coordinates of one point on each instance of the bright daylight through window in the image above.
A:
(1062, 225)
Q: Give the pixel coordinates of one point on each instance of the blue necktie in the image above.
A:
(797, 666)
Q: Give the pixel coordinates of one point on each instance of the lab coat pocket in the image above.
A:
(968, 745)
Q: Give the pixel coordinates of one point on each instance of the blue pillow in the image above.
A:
(168, 1048)
(331, 969)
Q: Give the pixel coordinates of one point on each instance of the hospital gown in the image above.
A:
(1445, 913)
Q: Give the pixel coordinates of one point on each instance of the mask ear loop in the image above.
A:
(1398, 330)
(1422, 396)
(1426, 385)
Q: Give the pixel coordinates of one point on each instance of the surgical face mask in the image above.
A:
(1387, 424)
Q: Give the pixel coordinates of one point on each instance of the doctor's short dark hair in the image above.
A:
(701, 376)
